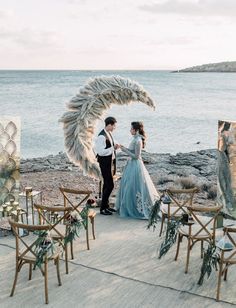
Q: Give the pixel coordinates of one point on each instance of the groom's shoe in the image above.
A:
(110, 209)
(105, 212)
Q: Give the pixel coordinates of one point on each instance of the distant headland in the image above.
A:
(221, 67)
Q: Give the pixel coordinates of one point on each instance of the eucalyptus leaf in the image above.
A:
(210, 261)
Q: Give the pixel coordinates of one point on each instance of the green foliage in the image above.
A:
(154, 215)
(227, 216)
(44, 246)
(73, 230)
(210, 259)
(84, 215)
(170, 236)
(75, 223)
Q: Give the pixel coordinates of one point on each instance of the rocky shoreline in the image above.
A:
(166, 170)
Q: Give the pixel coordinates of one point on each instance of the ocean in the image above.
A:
(188, 107)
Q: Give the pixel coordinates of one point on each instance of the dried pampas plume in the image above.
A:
(87, 107)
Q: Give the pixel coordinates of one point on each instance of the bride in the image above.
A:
(137, 193)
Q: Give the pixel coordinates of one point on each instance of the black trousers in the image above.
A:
(106, 165)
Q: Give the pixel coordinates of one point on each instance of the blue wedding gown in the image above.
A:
(137, 193)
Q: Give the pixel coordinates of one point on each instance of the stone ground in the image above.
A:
(166, 170)
(120, 270)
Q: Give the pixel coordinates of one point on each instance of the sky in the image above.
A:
(116, 34)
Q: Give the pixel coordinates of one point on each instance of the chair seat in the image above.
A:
(61, 228)
(173, 209)
(30, 257)
(184, 230)
(227, 254)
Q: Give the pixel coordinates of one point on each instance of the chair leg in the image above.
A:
(46, 280)
(20, 265)
(226, 272)
(219, 280)
(201, 249)
(188, 255)
(30, 271)
(177, 250)
(58, 271)
(71, 250)
(66, 259)
(93, 227)
(162, 224)
(87, 236)
(15, 279)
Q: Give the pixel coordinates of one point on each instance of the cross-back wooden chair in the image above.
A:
(179, 200)
(227, 256)
(25, 254)
(84, 194)
(58, 227)
(201, 228)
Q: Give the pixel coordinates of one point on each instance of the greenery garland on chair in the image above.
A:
(74, 224)
(154, 215)
(84, 215)
(44, 246)
(170, 236)
(211, 257)
(172, 225)
(76, 221)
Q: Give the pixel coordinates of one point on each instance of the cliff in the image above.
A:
(222, 67)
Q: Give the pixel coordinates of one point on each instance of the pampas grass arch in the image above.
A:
(87, 107)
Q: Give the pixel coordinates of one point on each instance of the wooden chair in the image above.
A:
(27, 255)
(84, 194)
(58, 227)
(227, 256)
(179, 200)
(199, 228)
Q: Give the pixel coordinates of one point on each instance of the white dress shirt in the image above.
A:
(100, 146)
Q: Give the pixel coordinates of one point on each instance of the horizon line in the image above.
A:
(67, 69)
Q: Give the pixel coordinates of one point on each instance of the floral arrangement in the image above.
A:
(74, 223)
(44, 247)
(91, 203)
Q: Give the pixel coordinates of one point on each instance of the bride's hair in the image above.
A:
(138, 127)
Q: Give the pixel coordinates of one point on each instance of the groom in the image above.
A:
(106, 156)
